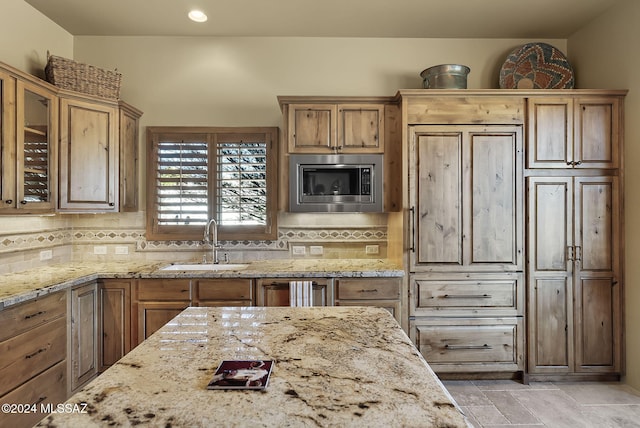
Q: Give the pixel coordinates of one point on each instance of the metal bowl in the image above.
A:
(445, 76)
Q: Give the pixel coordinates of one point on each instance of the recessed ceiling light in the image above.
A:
(197, 16)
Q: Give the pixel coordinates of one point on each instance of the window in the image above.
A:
(195, 174)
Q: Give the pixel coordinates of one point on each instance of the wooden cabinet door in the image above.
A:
(84, 330)
(466, 197)
(114, 324)
(597, 132)
(597, 282)
(360, 128)
(550, 274)
(573, 133)
(8, 131)
(312, 128)
(153, 315)
(88, 156)
(129, 163)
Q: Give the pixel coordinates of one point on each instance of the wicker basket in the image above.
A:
(68, 74)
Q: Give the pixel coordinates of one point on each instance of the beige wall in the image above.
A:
(605, 55)
(26, 35)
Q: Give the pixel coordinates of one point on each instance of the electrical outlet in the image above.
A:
(122, 250)
(316, 250)
(46, 255)
(298, 250)
(372, 249)
(100, 249)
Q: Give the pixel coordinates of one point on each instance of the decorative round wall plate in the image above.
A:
(536, 66)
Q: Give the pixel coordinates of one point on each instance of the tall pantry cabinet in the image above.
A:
(513, 231)
(574, 187)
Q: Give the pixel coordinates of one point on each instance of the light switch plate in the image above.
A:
(298, 250)
(316, 250)
(100, 249)
(372, 249)
(122, 250)
(46, 255)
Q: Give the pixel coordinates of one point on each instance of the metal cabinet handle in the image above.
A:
(34, 315)
(459, 347)
(35, 353)
(413, 229)
(467, 296)
(570, 253)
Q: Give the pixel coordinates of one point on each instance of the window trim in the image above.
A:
(225, 232)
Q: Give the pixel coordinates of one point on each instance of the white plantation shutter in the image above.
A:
(221, 174)
(182, 183)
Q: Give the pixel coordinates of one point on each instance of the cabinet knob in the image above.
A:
(8, 201)
(23, 202)
(111, 204)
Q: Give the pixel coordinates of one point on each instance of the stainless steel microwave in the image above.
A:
(335, 183)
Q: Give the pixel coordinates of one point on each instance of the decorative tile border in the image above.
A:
(51, 238)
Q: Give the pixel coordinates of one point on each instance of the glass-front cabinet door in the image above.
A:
(36, 115)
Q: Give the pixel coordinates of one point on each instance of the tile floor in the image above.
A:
(547, 404)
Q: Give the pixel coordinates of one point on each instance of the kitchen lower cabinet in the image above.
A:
(464, 345)
(469, 323)
(114, 321)
(33, 356)
(223, 292)
(276, 291)
(156, 302)
(83, 335)
(380, 292)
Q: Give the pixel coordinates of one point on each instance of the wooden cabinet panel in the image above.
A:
(164, 289)
(114, 323)
(361, 127)
(30, 353)
(469, 344)
(129, 162)
(227, 289)
(581, 132)
(466, 197)
(88, 156)
(312, 127)
(84, 335)
(367, 288)
(499, 293)
(47, 389)
(21, 318)
(574, 275)
(153, 315)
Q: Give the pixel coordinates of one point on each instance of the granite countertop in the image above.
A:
(22, 286)
(333, 366)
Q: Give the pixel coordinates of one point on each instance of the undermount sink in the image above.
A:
(207, 266)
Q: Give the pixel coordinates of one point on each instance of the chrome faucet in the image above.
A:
(214, 244)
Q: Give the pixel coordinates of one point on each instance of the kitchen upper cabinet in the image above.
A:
(129, 160)
(466, 198)
(28, 156)
(574, 275)
(89, 171)
(574, 132)
(83, 335)
(330, 126)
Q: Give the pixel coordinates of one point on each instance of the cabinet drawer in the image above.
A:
(466, 294)
(30, 353)
(224, 289)
(368, 289)
(164, 289)
(18, 319)
(48, 388)
(458, 345)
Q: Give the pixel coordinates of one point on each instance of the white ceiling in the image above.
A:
(326, 18)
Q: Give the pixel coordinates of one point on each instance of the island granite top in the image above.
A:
(22, 286)
(333, 366)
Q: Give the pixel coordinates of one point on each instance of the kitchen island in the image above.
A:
(333, 366)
